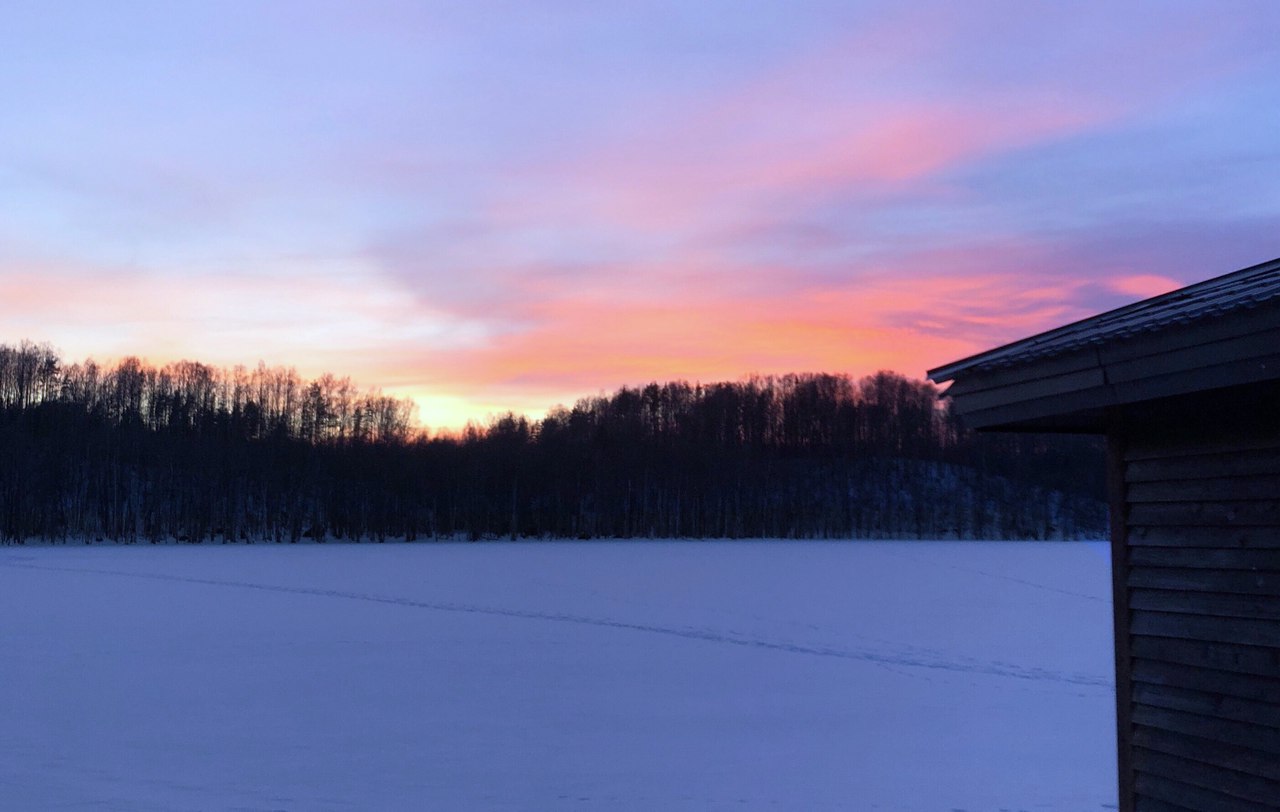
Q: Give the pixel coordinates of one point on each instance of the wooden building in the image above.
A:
(1186, 388)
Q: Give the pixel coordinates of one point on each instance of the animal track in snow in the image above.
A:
(879, 657)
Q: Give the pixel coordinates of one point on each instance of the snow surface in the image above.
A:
(789, 675)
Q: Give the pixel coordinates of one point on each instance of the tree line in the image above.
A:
(193, 453)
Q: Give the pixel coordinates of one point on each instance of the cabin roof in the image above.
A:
(1240, 290)
(1210, 336)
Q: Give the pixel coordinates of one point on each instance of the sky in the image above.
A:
(506, 206)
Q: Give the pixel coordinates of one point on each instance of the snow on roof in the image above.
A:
(1240, 290)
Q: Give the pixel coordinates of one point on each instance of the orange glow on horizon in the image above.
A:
(570, 341)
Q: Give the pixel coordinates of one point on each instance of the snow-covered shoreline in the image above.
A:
(170, 541)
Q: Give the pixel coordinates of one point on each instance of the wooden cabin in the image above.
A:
(1186, 388)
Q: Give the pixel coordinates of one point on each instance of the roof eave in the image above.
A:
(1023, 351)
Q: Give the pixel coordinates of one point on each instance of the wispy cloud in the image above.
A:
(486, 210)
(1143, 286)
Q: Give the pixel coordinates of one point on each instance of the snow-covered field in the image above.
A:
(578, 675)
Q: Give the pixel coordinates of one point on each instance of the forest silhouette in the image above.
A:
(192, 453)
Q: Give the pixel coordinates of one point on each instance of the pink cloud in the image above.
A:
(1143, 286)
(877, 148)
(700, 317)
(796, 132)
(905, 318)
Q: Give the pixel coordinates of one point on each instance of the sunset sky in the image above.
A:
(492, 206)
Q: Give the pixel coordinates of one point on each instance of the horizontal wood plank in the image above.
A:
(1259, 538)
(1210, 489)
(984, 380)
(1236, 785)
(1234, 582)
(1219, 463)
(1194, 357)
(1205, 558)
(1210, 439)
(1177, 337)
(1027, 390)
(1263, 607)
(1148, 804)
(1245, 631)
(1207, 703)
(1206, 751)
(1157, 787)
(1249, 687)
(1228, 373)
(1227, 731)
(1052, 408)
(1259, 661)
(1210, 513)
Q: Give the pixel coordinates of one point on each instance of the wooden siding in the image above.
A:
(1117, 489)
(1198, 611)
(1072, 391)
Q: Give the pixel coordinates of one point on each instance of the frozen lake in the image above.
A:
(782, 675)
